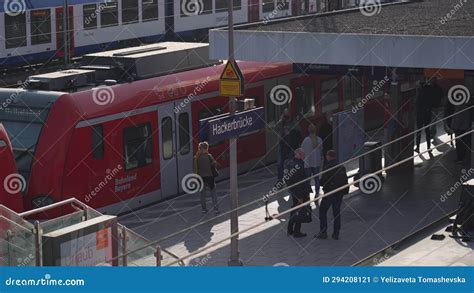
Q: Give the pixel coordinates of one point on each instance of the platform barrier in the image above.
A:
(83, 236)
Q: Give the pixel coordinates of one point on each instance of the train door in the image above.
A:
(273, 110)
(175, 147)
(60, 31)
(254, 10)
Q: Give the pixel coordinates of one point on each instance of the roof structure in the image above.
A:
(414, 34)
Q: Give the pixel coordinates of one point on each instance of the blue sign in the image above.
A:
(219, 128)
(250, 279)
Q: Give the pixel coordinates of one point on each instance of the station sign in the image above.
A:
(222, 127)
(231, 82)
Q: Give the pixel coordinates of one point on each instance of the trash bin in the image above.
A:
(371, 162)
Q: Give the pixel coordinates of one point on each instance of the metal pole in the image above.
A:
(158, 256)
(38, 252)
(234, 193)
(66, 32)
(124, 246)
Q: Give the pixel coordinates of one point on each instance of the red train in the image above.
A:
(122, 146)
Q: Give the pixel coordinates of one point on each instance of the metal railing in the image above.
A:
(16, 229)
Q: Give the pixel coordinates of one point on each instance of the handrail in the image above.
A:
(53, 206)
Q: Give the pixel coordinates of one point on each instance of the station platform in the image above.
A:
(428, 252)
(407, 202)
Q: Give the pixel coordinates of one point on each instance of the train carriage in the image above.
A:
(34, 30)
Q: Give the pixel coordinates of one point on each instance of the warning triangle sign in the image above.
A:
(232, 71)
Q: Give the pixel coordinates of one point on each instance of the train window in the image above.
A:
(129, 11)
(352, 90)
(329, 95)
(167, 138)
(15, 31)
(283, 4)
(221, 5)
(149, 10)
(273, 111)
(305, 100)
(40, 26)
(109, 14)
(89, 16)
(268, 6)
(192, 8)
(138, 146)
(97, 142)
(184, 135)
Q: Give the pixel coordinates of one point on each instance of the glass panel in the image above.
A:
(304, 95)
(221, 5)
(184, 135)
(129, 11)
(97, 142)
(138, 146)
(268, 6)
(40, 26)
(109, 14)
(329, 95)
(90, 16)
(62, 222)
(15, 31)
(167, 138)
(149, 10)
(17, 240)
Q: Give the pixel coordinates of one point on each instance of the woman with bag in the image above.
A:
(205, 166)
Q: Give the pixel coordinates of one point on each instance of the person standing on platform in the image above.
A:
(325, 132)
(313, 147)
(299, 193)
(460, 124)
(423, 115)
(283, 130)
(332, 180)
(205, 166)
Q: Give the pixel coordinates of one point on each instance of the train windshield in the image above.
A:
(23, 117)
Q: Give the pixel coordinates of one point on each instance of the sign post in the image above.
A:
(228, 84)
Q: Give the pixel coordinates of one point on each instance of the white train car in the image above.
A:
(191, 15)
(33, 29)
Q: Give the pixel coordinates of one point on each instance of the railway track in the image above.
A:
(394, 248)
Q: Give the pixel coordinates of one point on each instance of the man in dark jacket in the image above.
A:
(423, 114)
(294, 174)
(330, 181)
